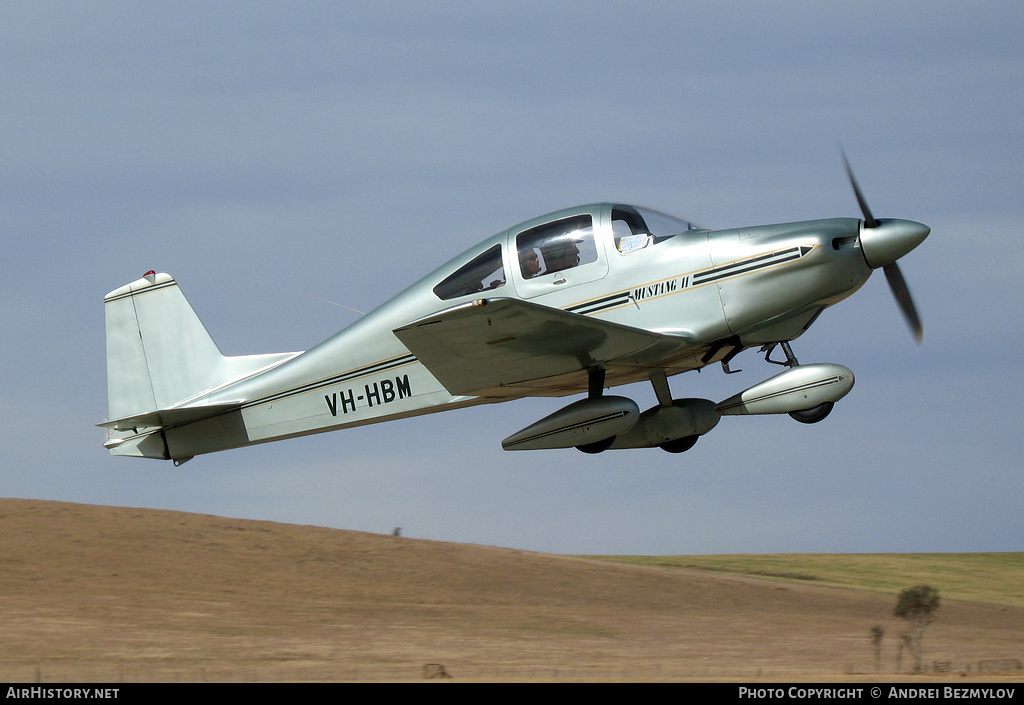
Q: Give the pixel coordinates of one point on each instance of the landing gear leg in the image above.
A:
(659, 380)
(787, 350)
(595, 390)
(595, 382)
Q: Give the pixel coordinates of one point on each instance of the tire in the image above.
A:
(814, 415)
(596, 446)
(679, 445)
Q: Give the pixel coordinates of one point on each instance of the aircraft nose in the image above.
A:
(890, 239)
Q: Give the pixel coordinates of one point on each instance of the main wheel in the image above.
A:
(814, 415)
(597, 446)
(679, 445)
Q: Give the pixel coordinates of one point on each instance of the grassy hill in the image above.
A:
(993, 578)
(93, 593)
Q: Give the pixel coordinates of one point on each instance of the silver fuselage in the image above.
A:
(716, 291)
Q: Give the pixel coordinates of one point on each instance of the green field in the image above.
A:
(995, 578)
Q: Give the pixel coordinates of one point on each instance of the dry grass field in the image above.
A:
(92, 593)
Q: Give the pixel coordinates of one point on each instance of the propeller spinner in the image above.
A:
(885, 240)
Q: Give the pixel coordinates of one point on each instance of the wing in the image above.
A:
(487, 346)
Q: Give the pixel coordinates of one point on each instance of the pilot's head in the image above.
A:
(529, 262)
(565, 254)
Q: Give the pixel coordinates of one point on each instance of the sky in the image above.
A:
(277, 156)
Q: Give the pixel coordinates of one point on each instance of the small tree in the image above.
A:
(876, 640)
(918, 606)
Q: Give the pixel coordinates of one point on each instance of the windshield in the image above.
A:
(658, 224)
(635, 227)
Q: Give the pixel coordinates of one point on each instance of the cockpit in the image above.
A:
(563, 248)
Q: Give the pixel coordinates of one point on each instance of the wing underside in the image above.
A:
(502, 347)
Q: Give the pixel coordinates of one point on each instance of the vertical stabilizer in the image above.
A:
(158, 351)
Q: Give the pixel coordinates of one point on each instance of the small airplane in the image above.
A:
(573, 302)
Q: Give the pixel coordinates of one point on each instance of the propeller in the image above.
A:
(885, 241)
(898, 286)
(869, 220)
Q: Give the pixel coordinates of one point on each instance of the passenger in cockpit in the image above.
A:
(529, 262)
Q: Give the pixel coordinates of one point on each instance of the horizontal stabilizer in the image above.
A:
(167, 417)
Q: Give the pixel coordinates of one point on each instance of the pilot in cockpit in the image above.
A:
(564, 255)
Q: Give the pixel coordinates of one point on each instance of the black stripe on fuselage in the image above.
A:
(686, 281)
(589, 307)
(747, 265)
(375, 368)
